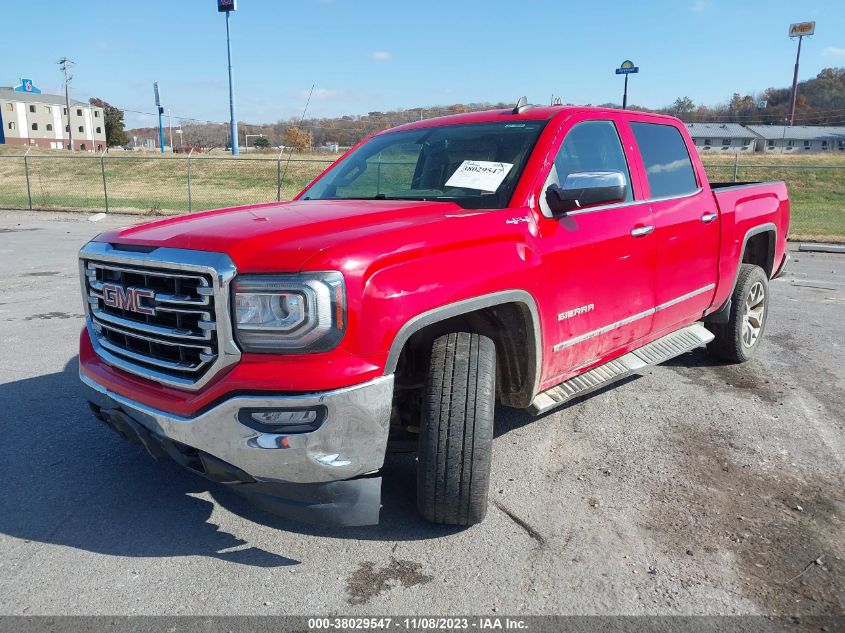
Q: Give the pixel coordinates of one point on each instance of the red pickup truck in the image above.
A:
(522, 256)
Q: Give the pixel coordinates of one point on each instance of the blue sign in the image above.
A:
(627, 71)
(26, 85)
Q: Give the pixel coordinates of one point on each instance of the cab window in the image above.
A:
(667, 163)
(588, 146)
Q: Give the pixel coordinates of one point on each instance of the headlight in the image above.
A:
(277, 313)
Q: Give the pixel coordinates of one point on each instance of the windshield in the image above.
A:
(475, 165)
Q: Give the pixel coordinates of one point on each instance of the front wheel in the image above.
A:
(456, 434)
(737, 340)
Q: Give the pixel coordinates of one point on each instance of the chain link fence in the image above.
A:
(156, 185)
(135, 183)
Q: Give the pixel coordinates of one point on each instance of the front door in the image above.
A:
(599, 260)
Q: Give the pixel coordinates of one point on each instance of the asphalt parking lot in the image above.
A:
(697, 488)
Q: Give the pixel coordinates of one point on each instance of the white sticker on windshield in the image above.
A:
(479, 174)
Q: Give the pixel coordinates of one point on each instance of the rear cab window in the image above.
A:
(666, 160)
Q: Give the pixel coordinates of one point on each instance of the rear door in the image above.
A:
(686, 222)
(599, 261)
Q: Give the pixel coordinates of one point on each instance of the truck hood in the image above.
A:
(283, 236)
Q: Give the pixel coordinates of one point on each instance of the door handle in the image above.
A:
(709, 217)
(640, 231)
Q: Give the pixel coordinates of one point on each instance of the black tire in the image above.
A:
(456, 433)
(732, 338)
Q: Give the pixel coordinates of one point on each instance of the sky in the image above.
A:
(367, 55)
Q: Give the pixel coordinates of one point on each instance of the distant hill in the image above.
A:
(821, 101)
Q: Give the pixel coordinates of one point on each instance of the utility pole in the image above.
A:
(799, 30)
(65, 64)
(170, 125)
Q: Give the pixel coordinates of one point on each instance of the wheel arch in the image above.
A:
(758, 248)
(509, 317)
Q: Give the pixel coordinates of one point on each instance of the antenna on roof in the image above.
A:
(521, 106)
(557, 101)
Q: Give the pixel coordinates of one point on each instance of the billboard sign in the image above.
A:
(802, 28)
(627, 67)
(224, 6)
(26, 85)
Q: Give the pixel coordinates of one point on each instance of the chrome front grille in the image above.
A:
(162, 314)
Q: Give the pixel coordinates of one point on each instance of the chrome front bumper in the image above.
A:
(350, 442)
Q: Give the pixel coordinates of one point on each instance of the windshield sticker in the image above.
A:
(479, 174)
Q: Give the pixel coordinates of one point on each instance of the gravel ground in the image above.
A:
(696, 488)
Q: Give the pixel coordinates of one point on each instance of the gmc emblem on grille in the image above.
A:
(128, 298)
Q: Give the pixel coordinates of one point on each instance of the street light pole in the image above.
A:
(233, 123)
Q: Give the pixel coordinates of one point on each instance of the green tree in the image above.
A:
(261, 143)
(113, 120)
(682, 106)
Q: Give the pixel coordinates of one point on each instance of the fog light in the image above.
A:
(308, 416)
(279, 421)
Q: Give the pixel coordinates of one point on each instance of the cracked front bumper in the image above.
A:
(315, 475)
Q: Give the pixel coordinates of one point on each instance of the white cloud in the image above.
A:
(380, 56)
(319, 93)
(834, 51)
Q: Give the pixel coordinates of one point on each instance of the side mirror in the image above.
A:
(587, 189)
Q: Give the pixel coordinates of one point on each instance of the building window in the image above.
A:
(10, 106)
(32, 108)
(78, 112)
(726, 141)
(81, 129)
(790, 143)
(707, 141)
(99, 130)
(96, 114)
(67, 128)
(824, 144)
(48, 109)
(82, 146)
(34, 127)
(842, 145)
(770, 142)
(11, 125)
(49, 127)
(806, 144)
(64, 111)
(746, 141)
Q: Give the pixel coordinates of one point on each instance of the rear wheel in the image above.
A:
(737, 340)
(456, 433)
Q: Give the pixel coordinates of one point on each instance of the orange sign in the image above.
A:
(802, 28)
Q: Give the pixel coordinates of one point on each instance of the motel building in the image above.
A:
(32, 119)
(722, 137)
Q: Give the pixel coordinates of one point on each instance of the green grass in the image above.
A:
(149, 184)
(816, 188)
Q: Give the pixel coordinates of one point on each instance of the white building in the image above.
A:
(722, 137)
(784, 139)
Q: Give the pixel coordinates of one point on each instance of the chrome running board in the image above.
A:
(659, 351)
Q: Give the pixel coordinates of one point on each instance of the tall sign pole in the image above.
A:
(227, 6)
(160, 113)
(799, 30)
(626, 68)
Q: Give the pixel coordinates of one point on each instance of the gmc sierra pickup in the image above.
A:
(524, 256)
